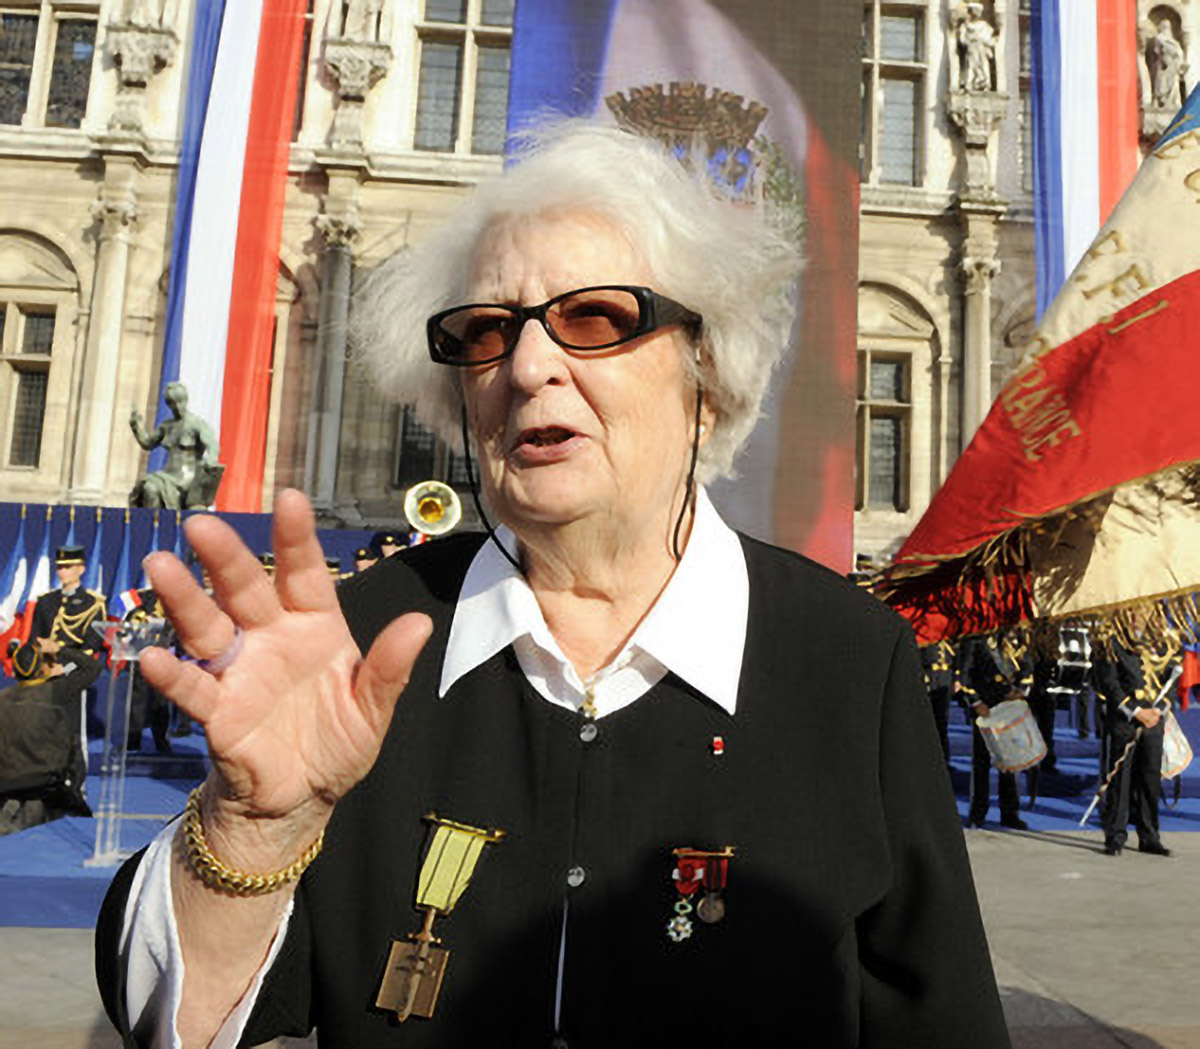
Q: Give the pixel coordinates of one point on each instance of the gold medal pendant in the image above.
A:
(417, 966)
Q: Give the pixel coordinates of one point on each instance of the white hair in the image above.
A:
(734, 264)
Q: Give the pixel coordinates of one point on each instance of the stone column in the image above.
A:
(339, 229)
(977, 267)
(115, 212)
(976, 108)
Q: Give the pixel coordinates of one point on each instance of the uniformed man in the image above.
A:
(937, 660)
(387, 543)
(364, 558)
(63, 618)
(989, 673)
(146, 703)
(1130, 718)
(43, 760)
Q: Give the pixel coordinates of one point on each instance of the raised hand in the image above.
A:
(299, 715)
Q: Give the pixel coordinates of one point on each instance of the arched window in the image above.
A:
(38, 302)
(893, 402)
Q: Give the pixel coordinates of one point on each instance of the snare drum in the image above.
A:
(1177, 752)
(1012, 736)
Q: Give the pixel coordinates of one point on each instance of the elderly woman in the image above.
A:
(723, 805)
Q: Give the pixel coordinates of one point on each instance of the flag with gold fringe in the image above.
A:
(1079, 496)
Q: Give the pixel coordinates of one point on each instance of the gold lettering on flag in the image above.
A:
(1118, 286)
(1038, 412)
(1161, 305)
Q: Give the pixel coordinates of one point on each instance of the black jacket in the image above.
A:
(851, 917)
(987, 675)
(67, 619)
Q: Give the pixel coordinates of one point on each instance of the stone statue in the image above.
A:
(1164, 56)
(192, 474)
(362, 19)
(976, 46)
(144, 13)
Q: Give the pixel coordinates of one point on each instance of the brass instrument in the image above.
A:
(432, 507)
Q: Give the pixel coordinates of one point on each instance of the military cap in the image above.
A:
(267, 559)
(334, 564)
(366, 553)
(69, 555)
(27, 661)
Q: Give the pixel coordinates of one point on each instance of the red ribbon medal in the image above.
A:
(695, 868)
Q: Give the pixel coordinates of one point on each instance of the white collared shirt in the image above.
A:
(696, 629)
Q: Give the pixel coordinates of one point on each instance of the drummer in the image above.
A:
(989, 672)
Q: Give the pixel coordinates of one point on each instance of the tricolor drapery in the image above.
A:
(242, 82)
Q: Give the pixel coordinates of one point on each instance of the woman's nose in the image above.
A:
(536, 359)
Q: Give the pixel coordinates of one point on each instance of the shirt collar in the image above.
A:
(696, 628)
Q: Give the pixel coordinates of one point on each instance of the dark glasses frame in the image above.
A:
(654, 311)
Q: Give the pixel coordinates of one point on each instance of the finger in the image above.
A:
(202, 628)
(241, 586)
(382, 676)
(185, 684)
(302, 579)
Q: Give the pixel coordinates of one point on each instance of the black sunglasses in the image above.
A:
(584, 320)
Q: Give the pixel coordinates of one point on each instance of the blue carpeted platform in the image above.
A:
(44, 880)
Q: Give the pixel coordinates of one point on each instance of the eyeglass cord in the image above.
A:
(689, 498)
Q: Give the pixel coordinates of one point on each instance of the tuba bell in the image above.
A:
(432, 508)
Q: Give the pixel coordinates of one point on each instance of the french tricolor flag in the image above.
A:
(1085, 124)
(242, 85)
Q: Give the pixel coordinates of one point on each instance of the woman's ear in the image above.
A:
(708, 420)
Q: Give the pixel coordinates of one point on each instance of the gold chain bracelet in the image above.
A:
(216, 875)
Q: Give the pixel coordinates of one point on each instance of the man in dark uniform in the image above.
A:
(63, 618)
(1130, 718)
(989, 675)
(146, 703)
(937, 660)
(387, 543)
(42, 761)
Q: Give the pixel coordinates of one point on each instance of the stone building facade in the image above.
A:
(946, 243)
(402, 106)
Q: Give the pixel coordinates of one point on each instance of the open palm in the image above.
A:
(299, 715)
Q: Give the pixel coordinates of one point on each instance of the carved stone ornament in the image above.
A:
(977, 116)
(357, 64)
(138, 52)
(978, 272)
(113, 215)
(339, 230)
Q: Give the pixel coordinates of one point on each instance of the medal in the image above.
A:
(415, 968)
(695, 868)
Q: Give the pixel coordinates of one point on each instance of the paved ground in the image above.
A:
(1091, 952)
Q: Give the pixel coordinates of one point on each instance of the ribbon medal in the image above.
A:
(695, 868)
(415, 968)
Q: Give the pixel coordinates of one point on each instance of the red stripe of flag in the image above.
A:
(1116, 40)
(247, 392)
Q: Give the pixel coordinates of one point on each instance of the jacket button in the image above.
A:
(588, 732)
(576, 876)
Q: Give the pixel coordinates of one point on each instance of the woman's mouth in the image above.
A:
(540, 444)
